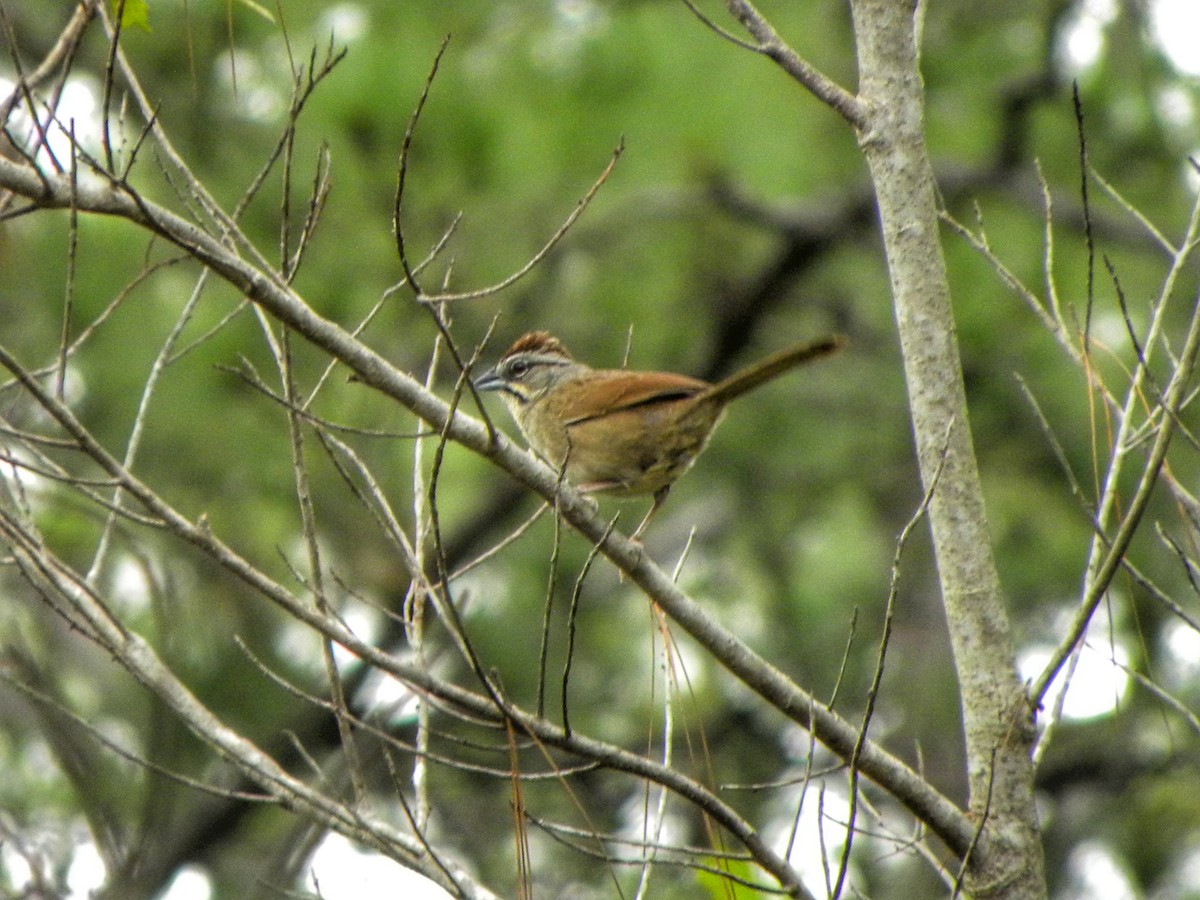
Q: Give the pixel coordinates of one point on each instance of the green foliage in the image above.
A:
(789, 522)
(134, 13)
(718, 885)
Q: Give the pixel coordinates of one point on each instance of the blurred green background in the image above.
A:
(737, 220)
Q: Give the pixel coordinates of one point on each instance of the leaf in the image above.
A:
(720, 887)
(135, 14)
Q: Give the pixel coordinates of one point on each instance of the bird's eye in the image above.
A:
(518, 367)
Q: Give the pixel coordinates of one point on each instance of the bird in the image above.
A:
(622, 432)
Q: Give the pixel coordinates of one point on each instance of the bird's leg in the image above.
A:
(659, 496)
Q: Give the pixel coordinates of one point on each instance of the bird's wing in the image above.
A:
(614, 390)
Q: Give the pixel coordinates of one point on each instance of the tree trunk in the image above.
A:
(997, 722)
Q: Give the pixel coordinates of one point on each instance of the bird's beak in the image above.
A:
(489, 382)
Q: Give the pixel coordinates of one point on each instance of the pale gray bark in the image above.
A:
(997, 718)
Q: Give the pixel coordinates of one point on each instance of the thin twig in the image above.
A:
(402, 167)
(138, 429)
(533, 261)
(1104, 563)
(877, 679)
(1089, 239)
(572, 613)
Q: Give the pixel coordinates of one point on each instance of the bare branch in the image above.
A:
(537, 258)
(771, 45)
